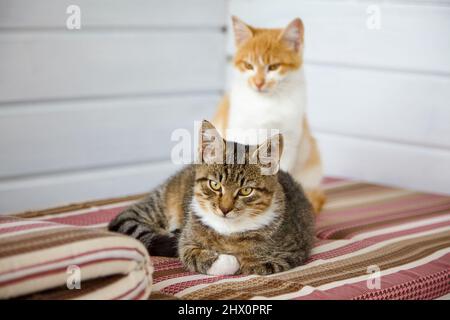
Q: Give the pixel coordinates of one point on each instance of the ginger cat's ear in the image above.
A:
(292, 35)
(268, 154)
(211, 144)
(242, 31)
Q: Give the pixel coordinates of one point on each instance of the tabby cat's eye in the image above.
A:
(248, 66)
(245, 191)
(216, 186)
(274, 66)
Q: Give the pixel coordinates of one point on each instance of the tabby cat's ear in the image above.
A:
(268, 154)
(242, 31)
(292, 35)
(211, 144)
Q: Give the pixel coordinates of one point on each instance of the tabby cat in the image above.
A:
(226, 217)
(268, 91)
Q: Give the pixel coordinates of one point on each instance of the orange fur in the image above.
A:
(220, 119)
(305, 165)
(175, 191)
(258, 48)
(265, 47)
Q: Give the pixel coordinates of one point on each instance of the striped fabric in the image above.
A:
(373, 242)
(38, 258)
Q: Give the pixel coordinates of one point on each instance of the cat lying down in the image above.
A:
(225, 217)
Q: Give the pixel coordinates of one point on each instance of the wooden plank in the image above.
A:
(412, 167)
(60, 189)
(76, 135)
(72, 65)
(412, 37)
(392, 106)
(107, 13)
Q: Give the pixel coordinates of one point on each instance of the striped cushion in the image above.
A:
(39, 257)
(365, 234)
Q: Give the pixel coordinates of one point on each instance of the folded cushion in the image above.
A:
(48, 259)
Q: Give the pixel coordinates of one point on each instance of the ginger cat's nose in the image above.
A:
(259, 83)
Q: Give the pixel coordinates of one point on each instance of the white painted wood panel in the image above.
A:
(411, 37)
(72, 65)
(60, 189)
(75, 135)
(87, 114)
(113, 13)
(378, 104)
(423, 169)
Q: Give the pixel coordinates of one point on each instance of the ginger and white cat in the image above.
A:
(269, 92)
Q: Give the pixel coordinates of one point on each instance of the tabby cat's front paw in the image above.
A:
(225, 264)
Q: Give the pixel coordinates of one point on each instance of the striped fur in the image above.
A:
(152, 221)
(267, 231)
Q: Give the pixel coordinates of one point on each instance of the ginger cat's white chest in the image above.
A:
(281, 110)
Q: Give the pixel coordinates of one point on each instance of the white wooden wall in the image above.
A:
(379, 100)
(87, 114)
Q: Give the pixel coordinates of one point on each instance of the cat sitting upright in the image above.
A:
(233, 213)
(269, 92)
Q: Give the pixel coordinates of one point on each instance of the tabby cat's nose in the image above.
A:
(225, 210)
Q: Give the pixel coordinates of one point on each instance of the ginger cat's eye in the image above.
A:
(214, 185)
(245, 191)
(248, 66)
(274, 66)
